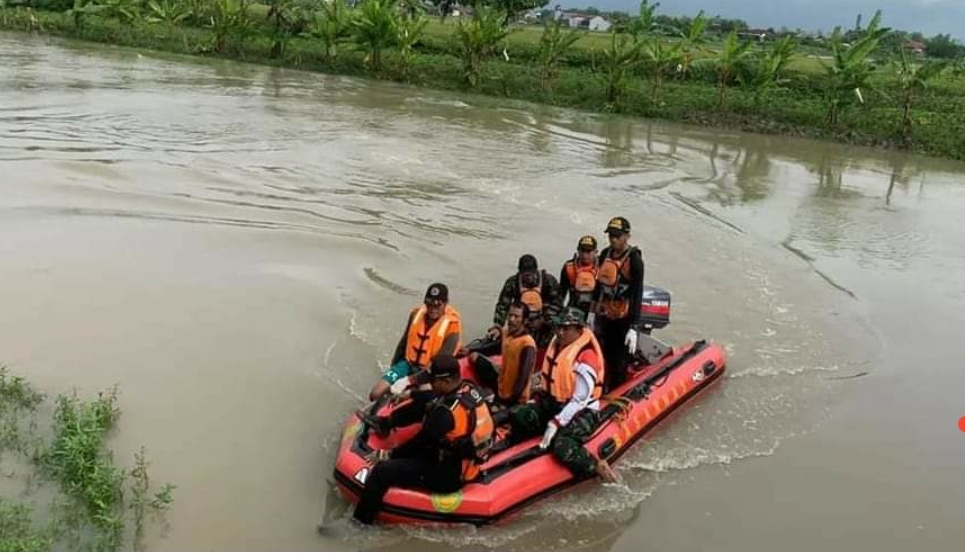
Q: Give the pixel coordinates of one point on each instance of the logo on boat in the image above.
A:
(351, 432)
(446, 503)
(698, 376)
(362, 475)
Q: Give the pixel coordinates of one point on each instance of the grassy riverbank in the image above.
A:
(70, 492)
(873, 101)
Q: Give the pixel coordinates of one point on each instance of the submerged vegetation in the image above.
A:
(861, 86)
(94, 504)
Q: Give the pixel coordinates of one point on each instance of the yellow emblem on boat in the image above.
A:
(447, 503)
(350, 432)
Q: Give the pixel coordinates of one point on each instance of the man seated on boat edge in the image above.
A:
(566, 400)
(510, 379)
(456, 435)
(433, 328)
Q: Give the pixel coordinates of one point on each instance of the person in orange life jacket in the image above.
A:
(433, 328)
(456, 435)
(567, 398)
(530, 285)
(620, 290)
(578, 278)
(511, 380)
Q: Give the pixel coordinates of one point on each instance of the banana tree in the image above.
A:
(691, 41)
(645, 23)
(478, 40)
(122, 10)
(618, 60)
(657, 58)
(409, 31)
(375, 27)
(280, 13)
(767, 71)
(229, 18)
(912, 80)
(851, 68)
(553, 44)
(81, 9)
(331, 23)
(167, 11)
(731, 60)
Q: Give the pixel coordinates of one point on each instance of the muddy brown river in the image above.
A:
(237, 248)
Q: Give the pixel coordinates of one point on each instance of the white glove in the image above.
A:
(631, 341)
(551, 429)
(590, 319)
(399, 386)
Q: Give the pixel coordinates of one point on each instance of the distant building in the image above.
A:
(583, 20)
(756, 34)
(916, 47)
(598, 23)
(577, 20)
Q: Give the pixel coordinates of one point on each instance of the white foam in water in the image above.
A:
(677, 459)
(770, 371)
(472, 536)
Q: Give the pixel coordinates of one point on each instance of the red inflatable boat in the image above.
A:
(661, 379)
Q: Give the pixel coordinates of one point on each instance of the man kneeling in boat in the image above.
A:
(432, 329)
(456, 435)
(567, 398)
(511, 380)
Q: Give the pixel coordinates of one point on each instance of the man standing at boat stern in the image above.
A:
(620, 286)
(456, 436)
(567, 398)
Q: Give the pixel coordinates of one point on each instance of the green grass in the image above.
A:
(797, 108)
(96, 504)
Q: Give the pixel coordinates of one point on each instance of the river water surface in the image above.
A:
(237, 247)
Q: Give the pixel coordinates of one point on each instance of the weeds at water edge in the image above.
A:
(97, 505)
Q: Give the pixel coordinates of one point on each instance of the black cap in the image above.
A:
(587, 243)
(437, 291)
(619, 224)
(444, 365)
(527, 262)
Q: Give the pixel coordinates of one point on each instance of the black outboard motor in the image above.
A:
(654, 310)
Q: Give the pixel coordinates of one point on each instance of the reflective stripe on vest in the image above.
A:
(473, 429)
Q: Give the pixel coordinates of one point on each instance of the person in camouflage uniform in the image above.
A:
(566, 399)
(532, 286)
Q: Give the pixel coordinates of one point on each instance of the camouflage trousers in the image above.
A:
(529, 420)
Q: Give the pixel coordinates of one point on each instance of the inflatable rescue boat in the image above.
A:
(661, 379)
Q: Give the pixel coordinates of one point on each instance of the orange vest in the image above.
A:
(423, 344)
(614, 278)
(511, 349)
(474, 428)
(582, 280)
(559, 367)
(532, 297)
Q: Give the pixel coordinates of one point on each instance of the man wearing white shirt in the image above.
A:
(567, 398)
